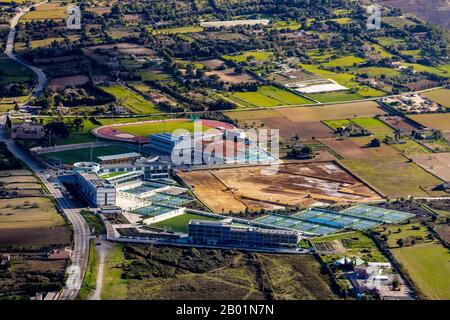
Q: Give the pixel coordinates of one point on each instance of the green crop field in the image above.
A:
(269, 96)
(334, 124)
(389, 41)
(70, 157)
(346, 61)
(441, 96)
(180, 223)
(291, 25)
(114, 287)
(131, 100)
(145, 129)
(375, 126)
(428, 266)
(257, 55)
(439, 71)
(177, 30)
(378, 72)
(394, 176)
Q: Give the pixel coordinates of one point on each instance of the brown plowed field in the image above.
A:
(293, 184)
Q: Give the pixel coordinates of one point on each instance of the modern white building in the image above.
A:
(97, 191)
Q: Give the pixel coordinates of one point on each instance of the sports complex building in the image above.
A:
(225, 233)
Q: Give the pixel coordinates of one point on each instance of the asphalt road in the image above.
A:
(9, 51)
(77, 269)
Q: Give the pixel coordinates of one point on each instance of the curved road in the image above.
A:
(81, 230)
(9, 51)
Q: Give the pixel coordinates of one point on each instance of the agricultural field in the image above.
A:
(441, 96)
(374, 126)
(28, 212)
(378, 72)
(250, 55)
(238, 189)
(433, 120)
(394, 176)
(436, 163)
(399, 21)
(269, 96)
(211, 274)
(53, 10)
(177, 30)
(70, 157)
(233, 77)
(427, 265)
(180, 223)
(131, 100)
(12, 71)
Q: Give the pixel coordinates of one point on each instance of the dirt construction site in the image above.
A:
(291, 184)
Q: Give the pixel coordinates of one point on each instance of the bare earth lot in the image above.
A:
(436, 163)
(294, 184)
(306, 131)
(440, 121)
(230, 76)
(63, 82)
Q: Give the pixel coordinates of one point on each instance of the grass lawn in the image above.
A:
(356, 245)
(389, 41)
(114, 287)
(441, 96)
(131, 100)
(90, 278)
(257, 55)
(70, 157)
(428, 266)
(406, 231)
(394, 176)
(145, 129)
(375, 126)
(180, 223)
(269, 96)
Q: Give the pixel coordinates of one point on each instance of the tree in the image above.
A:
(375, 143)
(401, 243)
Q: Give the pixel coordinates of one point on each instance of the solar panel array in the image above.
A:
(320, 222)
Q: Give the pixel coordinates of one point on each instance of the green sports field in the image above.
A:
(429, 268)
(71, 156)
(145, 129)
(180, 223)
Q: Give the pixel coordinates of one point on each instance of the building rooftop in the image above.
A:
(120, 156)
(228, 222)
(96, 180)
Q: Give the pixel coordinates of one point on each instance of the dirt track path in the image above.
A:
(103, 250)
